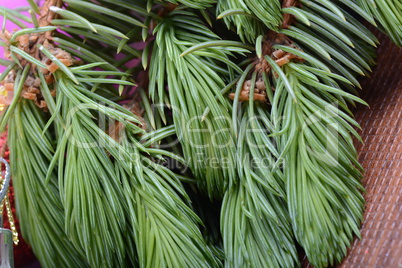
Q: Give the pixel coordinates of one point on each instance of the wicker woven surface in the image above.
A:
(381, 156)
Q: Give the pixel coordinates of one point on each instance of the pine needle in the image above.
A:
(193, 86)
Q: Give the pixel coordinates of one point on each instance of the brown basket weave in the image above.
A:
(381, 156)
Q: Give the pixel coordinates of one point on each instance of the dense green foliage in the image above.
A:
(252, 96)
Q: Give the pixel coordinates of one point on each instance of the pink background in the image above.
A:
(9, 25)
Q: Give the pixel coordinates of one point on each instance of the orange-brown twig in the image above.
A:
(259, 92)
(29, 43)
(288, 18)
(261, 65)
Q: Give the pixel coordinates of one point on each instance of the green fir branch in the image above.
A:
(320, 165)
(152, 209)
(194, 83)
(237, 15)
(388, 14)
(38, 203)
(256, 226)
